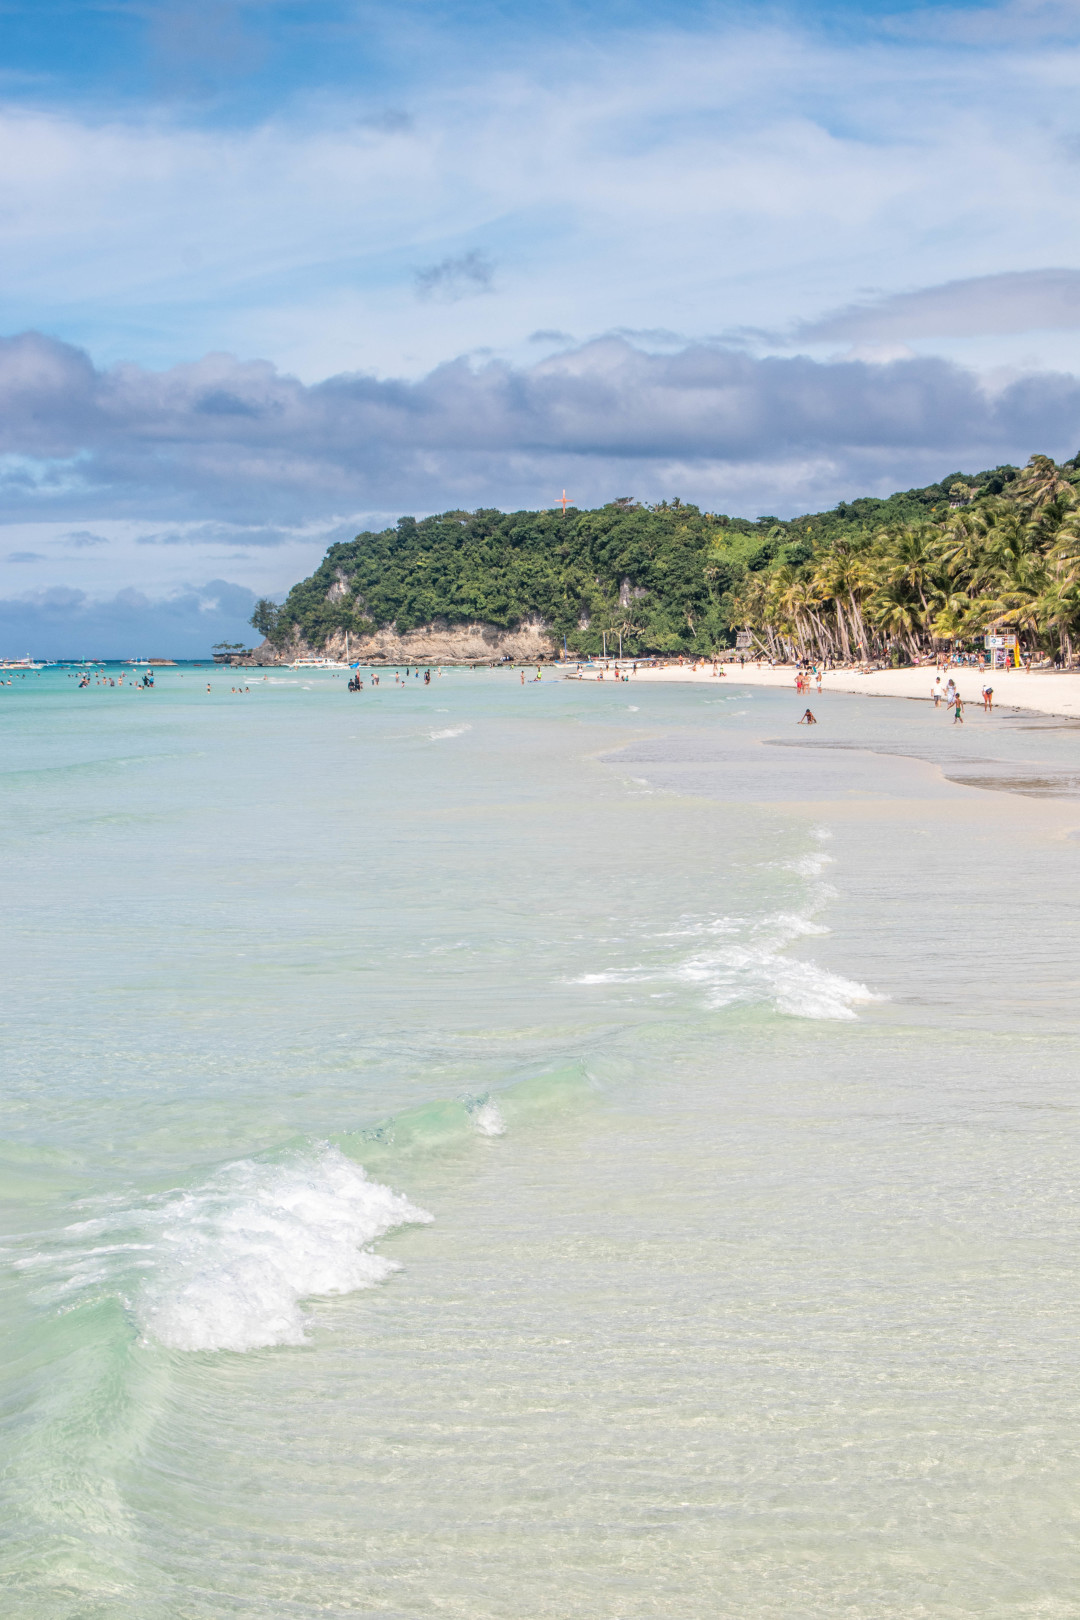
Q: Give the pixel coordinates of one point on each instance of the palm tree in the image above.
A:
(897, 612)
(844, 577)
(1040, 483)
(1058, 614)
(1007, 559)
(963, 538)
(910, 556)
(1020, 583)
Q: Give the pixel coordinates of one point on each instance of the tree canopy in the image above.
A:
(995, 548)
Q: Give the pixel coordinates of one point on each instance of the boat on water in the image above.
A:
(318, 663)
(19, 663)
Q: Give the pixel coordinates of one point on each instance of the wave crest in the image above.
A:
(739, 960)
(227, 1265)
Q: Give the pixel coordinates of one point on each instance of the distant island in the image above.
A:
(869, 578)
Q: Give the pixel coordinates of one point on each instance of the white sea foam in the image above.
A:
(759, 971)
(226, 1265)
(809, 865)
(450, 731)
(488, 1120)
(742, 961)
(793, 925)
(636, 975)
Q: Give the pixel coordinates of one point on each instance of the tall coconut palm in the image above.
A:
(846, 580)
(1057, 613)
(897, 612)
(1040, 483)
(962, 540)
(1020, 582)
(910, 557)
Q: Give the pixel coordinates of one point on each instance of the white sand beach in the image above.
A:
(1044, 691)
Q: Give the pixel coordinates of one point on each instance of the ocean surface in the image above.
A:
(497, 1152)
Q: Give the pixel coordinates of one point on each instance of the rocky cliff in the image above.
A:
(436, 643)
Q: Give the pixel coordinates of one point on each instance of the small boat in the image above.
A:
(318, 663)
(20, 663)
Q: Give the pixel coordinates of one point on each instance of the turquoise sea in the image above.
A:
(497, 1152)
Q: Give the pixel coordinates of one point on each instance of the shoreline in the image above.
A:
(1046, 692)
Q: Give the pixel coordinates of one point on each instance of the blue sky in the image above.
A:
(276, 272)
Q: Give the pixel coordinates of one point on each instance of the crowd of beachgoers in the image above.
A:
(967, 678)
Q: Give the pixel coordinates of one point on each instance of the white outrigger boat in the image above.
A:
(20, 663)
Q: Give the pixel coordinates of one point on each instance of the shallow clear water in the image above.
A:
(499, 1151)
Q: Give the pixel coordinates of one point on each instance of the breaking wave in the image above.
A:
(227, 1265)
(754, 968)
(488, 1121)
(745, 961)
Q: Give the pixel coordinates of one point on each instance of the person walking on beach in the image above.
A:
(936, 692)
(988, 699)
(958, 709)
(807, 719)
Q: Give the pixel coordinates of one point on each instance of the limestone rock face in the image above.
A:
(436, 643)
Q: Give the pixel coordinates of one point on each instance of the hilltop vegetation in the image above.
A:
(867, 578)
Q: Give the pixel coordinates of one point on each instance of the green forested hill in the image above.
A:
(672, 578)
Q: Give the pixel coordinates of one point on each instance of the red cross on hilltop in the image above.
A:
(564, 502)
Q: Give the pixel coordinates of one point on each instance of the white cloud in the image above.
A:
(671, 184)
(697, 180)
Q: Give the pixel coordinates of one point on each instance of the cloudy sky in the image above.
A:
(276, 270)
